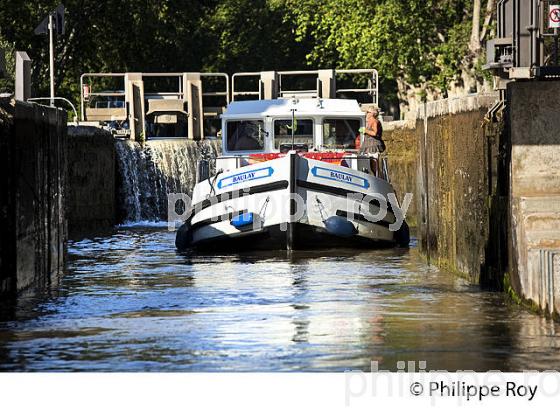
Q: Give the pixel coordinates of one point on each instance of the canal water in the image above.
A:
(129, 302)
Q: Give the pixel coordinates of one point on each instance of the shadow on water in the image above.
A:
(130, 302)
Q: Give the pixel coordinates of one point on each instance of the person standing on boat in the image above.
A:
(373, 132)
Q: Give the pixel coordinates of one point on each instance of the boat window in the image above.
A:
(340, 132)
(246, 135)
(303, 133)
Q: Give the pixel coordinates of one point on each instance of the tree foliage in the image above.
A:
(419, 42)
(249, 35)
(414, 43)
(8, 62)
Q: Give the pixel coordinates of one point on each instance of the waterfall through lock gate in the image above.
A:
(146, 174)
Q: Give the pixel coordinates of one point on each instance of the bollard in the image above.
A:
(23, 76)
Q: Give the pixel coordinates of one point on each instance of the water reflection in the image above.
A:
(130, 302)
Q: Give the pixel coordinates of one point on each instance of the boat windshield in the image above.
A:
(340, 132)
(303, 133)
(246, 135)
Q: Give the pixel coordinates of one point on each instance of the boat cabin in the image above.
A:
(323, 129)
(265, 126)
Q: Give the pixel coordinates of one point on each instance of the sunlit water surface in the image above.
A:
(130, 302)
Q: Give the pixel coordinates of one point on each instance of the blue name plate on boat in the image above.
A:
(241, 220)
(339, 176)
(245, 176)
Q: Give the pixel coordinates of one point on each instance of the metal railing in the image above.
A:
(60, 99)
(102, 93)
(225, 93)
(373, 86)
(235, 93)
(180, 93)
(380, 168)
(313, 93)
(280, 90)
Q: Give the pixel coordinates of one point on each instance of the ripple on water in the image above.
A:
(130, 302)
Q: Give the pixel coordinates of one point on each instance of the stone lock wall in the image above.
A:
(91, 179)
(448, 158)
(33, 192)
(453, 184)
(488, 193)
(401, 139)
(535, 192)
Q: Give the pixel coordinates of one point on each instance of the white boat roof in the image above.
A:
(283, 107)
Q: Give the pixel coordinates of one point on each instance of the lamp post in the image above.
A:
(51, 56)
(54, 21)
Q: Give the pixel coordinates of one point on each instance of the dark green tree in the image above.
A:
(421, 46)
(421, 49)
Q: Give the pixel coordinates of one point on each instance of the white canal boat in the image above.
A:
(291, 176)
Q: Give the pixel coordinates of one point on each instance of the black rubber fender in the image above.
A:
(402, 236)
(339, 226)
(183, 237)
